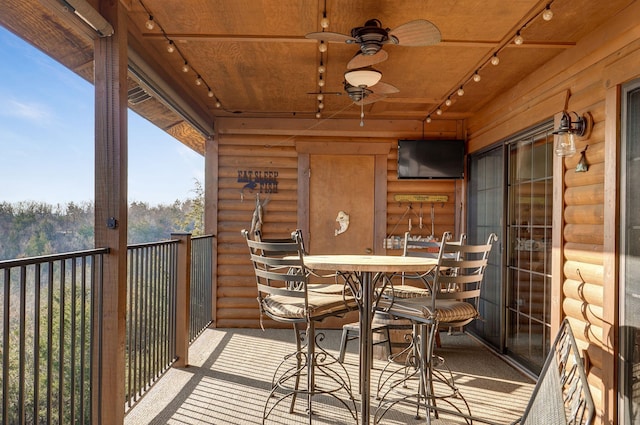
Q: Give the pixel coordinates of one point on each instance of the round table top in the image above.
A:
(369, 263)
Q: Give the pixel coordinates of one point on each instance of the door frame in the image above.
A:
(379, 148)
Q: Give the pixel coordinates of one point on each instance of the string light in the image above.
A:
(324, 22)
(518, 39)
(322, 47)
(547, 15)
(150, 24)
(171, 47)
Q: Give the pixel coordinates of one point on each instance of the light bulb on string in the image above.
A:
(320, 96)
(518, 40)
(438, 111)
(429, 118)
(324, 22)
(171, 47)
(320, 105)
(460, 91)
(495, 60)
(321, 68)
(547, 15)
(198, 81)
(477, 77)
(320, 82)
(322, 47)
(150, 24)
(218, 104)
(210, 94)
(318, 114)
(448, 101)
(185, 67)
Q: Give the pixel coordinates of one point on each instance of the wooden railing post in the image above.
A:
(183, 296)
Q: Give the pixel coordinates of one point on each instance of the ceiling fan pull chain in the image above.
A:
(362, 109)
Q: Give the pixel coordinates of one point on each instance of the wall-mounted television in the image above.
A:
(430, 159)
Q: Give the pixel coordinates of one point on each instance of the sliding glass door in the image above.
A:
(510, 193)
(528, 256)
(630, 258)
(485, 216)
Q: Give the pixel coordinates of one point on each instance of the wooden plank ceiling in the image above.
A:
(254, 58)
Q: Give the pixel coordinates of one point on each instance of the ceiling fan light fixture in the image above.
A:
(365, 77)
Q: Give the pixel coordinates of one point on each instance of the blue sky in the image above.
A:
(47, 137)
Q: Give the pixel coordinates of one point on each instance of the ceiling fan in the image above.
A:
(372, 36)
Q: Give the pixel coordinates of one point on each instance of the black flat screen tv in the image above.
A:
(430, 159)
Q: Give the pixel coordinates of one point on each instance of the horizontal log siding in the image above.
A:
(581, 75)
(236, 303)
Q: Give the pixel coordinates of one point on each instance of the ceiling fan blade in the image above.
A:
(383, 88)
(331, 37)
(371, 98)
(415, 33)
(362, 61)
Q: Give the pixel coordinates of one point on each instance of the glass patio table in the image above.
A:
(366, 269)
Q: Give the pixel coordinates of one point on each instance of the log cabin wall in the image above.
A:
(585, 79)
(256, 145)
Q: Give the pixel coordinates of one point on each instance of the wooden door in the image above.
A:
(341, 183)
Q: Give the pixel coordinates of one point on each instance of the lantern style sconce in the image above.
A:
(566, 132)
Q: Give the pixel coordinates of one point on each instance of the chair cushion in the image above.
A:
(326, 288)
(419, 309)
(407, 291)
(319, 305)
(455, 311)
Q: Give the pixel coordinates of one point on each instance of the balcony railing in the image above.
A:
(47, 310)
(151, 315)
(201, 284)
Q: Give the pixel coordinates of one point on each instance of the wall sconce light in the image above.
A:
(566, 132)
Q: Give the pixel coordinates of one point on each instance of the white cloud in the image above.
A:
(30, 111)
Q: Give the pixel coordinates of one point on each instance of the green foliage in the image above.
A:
(29, 229)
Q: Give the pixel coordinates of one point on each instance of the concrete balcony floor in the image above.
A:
(230, 372)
